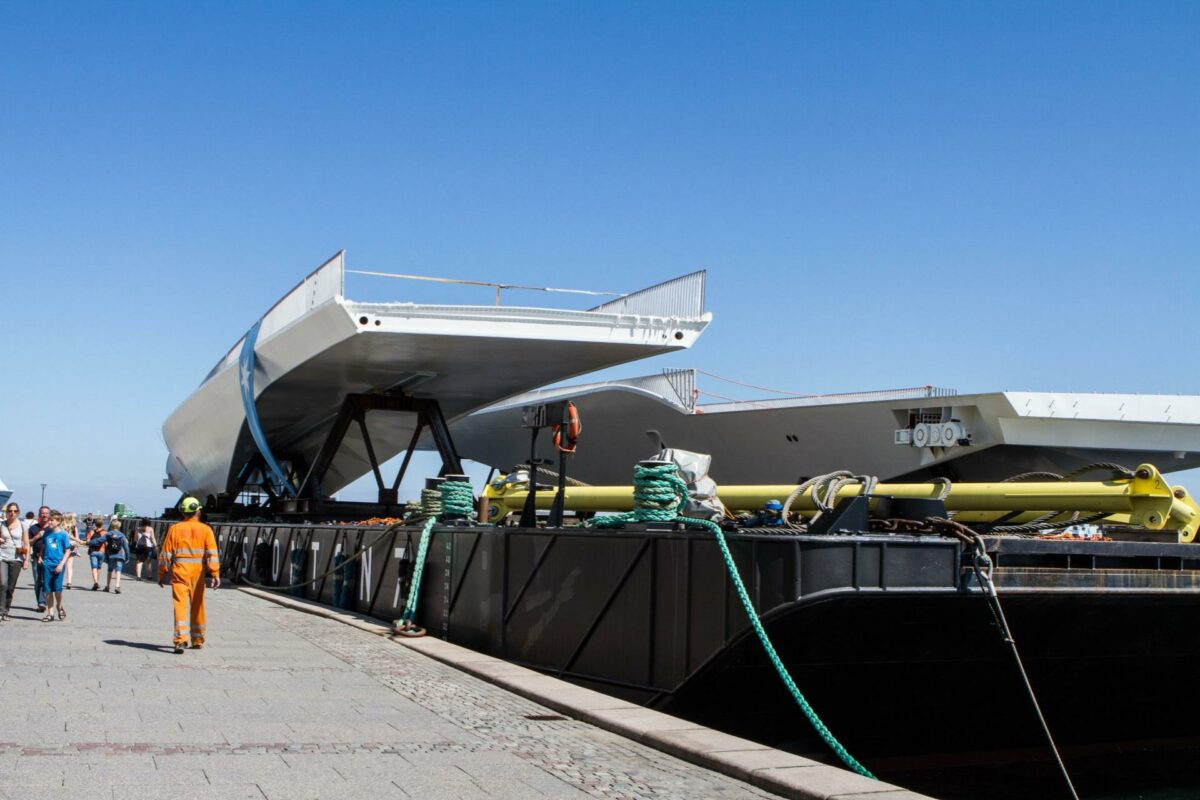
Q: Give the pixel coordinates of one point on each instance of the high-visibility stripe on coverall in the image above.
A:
(187, 556)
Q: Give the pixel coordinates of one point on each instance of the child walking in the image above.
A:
(55, 555)
(116, 548)
(96, 539)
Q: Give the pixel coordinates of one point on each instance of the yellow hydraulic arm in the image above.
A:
(1145, 500)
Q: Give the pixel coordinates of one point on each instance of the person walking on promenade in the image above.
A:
(188, 551)
(116, 548)
(14, 556)
(97, 537)
(143, 549)
(56, 552)
(37, 532)
(71, 528)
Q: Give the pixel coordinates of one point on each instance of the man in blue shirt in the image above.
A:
(56, 549)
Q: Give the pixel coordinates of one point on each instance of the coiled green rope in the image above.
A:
(431, 503)
(453, 498)
(660, 495)
(655, 497)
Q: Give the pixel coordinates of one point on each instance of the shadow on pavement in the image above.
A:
(162, 648)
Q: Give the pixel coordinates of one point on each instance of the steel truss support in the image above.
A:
(354, 411)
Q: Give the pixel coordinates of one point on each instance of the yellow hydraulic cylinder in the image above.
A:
(1145, 500)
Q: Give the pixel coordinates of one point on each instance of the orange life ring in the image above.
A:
(574, 428)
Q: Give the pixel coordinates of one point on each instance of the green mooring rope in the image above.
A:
(431, 503)
(659, 495)
(656, 497)
(454, 497)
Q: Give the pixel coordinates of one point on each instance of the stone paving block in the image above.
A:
(819, 782)
(891, 794)
(467, 763)
(225, 770)
(178, 769)
(534, 779)
(235, 731)
(449, 652)
(641, 721)
(288, 790)
(40, 775)
(38, 792)
(109, 768)
(302, 770)
(700, 740)
(745, 762)
(565, 695)
(447, 782)
(185, 791)
(493, 666)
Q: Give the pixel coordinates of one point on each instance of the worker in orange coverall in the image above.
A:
(188, 551)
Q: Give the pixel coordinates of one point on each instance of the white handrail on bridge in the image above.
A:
(497, 286)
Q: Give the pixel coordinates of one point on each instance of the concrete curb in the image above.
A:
(775, 771)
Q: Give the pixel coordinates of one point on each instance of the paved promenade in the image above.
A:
(283, 705)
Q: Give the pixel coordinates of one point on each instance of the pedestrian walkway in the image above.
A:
(284, 705)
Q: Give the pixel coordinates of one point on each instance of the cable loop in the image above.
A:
(825, 490)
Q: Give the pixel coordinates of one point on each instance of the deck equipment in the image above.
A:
(1143, 500)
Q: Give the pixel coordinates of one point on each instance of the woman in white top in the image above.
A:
(71, 528)
(14, 556)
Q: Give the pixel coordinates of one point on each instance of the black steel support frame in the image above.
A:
(354, 411)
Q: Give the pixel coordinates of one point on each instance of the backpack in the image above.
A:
(114, 546)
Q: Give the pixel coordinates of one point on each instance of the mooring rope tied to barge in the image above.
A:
(452, 498)
(660, 496)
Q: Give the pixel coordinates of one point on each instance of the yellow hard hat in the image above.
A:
(189, 505)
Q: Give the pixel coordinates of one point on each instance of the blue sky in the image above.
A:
(977, 195)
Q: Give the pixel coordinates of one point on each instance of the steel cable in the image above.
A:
(982, 566)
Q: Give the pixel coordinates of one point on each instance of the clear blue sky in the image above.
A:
(977, 195)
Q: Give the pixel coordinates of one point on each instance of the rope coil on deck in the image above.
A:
(431, 504)
(825, 490)
(660, 495)
(656, 497)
